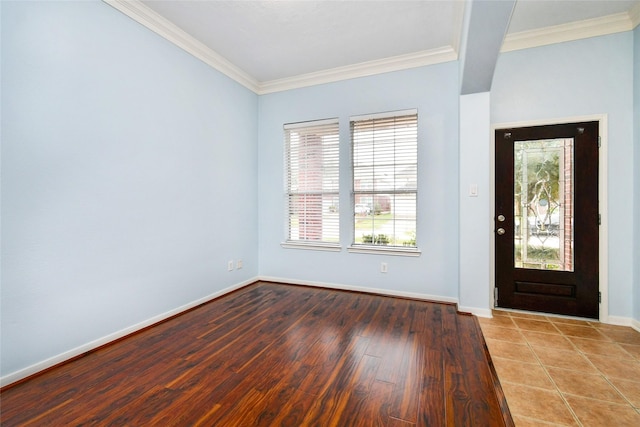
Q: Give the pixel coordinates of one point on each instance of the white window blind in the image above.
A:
(312, 160)
(385, 182)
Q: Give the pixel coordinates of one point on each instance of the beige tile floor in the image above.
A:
(565, 372)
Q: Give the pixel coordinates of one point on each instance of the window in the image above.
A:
(312, 160)
(385, 182)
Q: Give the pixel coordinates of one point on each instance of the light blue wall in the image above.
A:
(433, 91)
(636, 165)
(585, 77)
(128, 177)
(476, 222)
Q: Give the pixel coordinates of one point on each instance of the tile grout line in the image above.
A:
(608, 340)
(566, 404)
(564, 400)
(606, 377)
(585, 355)
(602, 374)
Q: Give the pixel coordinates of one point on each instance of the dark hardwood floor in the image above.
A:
(273, 354)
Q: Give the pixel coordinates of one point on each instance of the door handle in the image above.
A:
(500, 231)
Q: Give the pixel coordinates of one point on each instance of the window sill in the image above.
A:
(384, 250)
(331, 247)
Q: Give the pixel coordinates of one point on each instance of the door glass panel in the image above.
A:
(543, 204)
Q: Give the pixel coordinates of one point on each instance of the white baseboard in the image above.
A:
(70, 354)
(623, 321)
(342, 287)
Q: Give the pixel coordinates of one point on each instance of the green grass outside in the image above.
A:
(367, 222)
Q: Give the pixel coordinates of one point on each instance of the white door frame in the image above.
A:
(603, 238)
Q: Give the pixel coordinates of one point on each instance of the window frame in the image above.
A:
(329, 127)
(375, 248)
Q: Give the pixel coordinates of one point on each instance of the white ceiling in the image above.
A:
(275, 40)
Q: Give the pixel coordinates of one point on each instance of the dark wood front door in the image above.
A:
(546, 223)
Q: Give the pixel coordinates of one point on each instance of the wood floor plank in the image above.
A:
(432, 397)
(264, 412)
(321, 361)
(292, 412)
(390, 344)
(465, 400)
(355, 402)
(406, 395)
(275, 354)
(277, 325)
(328, 408)
(375, 409)
(29, 421)
(236, 413)
(481, 405)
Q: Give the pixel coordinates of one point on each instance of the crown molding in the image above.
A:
(363, 69)
(611, 24)
(634, 15)
(144, 15)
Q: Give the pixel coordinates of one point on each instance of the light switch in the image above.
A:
(473, 190)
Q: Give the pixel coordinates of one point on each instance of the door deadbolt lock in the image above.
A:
(501, 218)
(500, 231)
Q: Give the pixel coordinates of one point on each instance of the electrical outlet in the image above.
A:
(238, 264)
(383, 267)
(230, 265)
